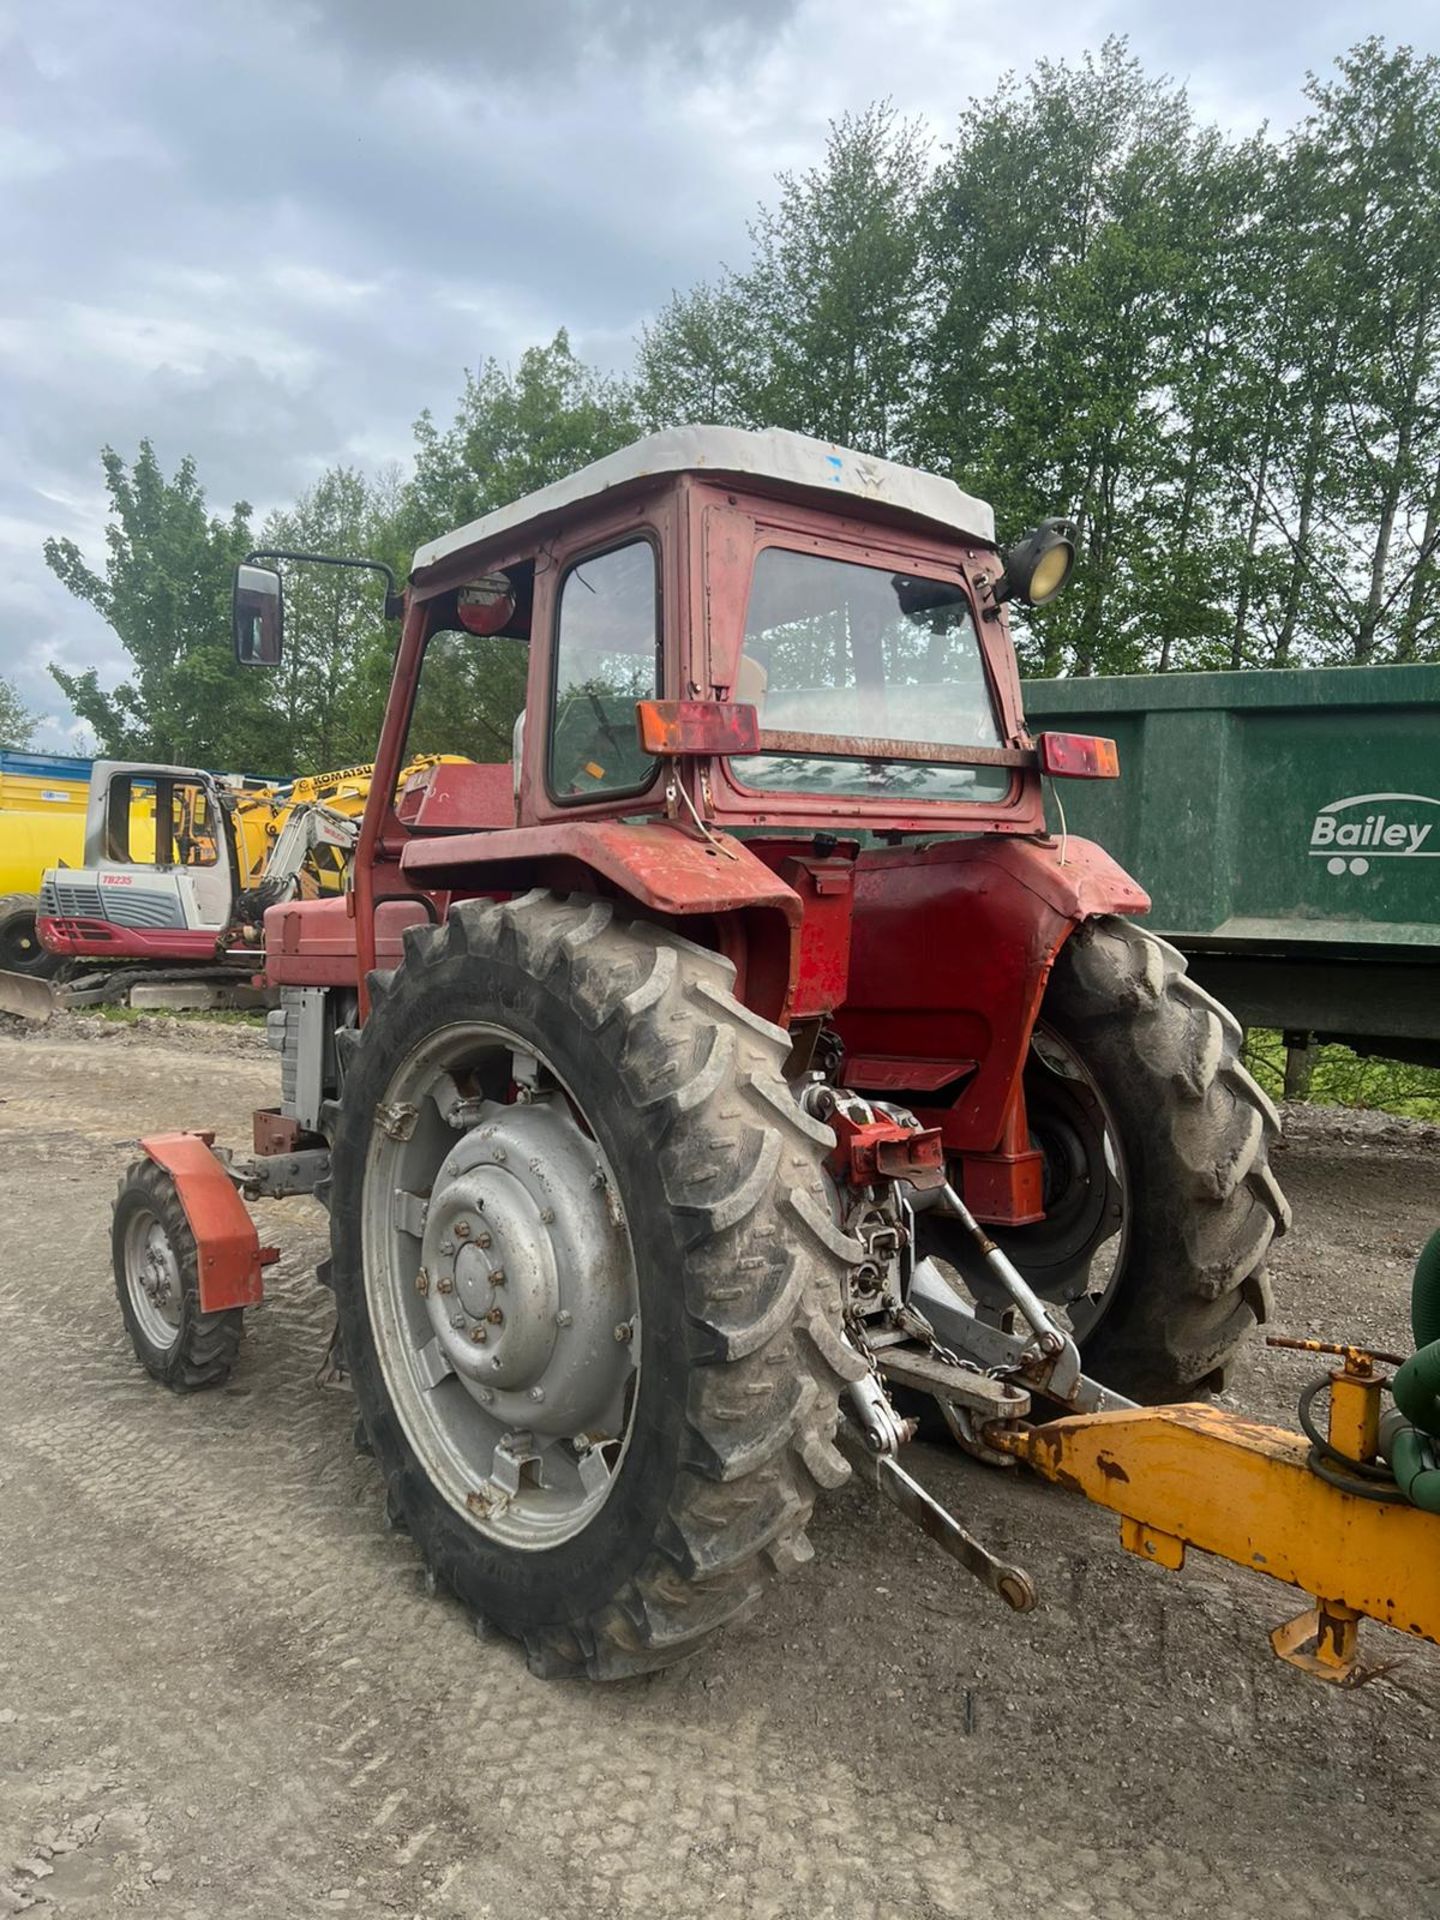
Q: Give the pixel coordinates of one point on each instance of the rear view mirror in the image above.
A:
(259, 617)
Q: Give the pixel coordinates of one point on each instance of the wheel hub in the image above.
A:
(152, 1277)
(528, 1271)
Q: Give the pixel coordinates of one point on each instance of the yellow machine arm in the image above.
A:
(260, 813)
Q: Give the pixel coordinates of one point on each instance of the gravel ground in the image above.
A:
(224, 1689)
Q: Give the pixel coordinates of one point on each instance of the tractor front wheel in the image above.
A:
(588, 1287)
(157, 1276)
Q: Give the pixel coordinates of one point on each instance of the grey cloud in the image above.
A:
(542, 40)
(268, 233)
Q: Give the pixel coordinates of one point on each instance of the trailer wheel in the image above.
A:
(157, 1276)
(588, 1289)
(21, 950)
(1160, 1201)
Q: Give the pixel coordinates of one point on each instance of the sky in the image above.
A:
(269, 234)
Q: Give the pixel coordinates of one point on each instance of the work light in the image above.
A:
(1037, 567)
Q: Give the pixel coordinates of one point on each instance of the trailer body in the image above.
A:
(1287, 828)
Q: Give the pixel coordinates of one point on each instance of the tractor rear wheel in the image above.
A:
(20, 946)
(588, 1288)
(1160, 1202)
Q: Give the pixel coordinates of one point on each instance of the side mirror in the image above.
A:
(258, 615)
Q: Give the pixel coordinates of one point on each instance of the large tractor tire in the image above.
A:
(1160, 1201)
(20, 947)
(588, 1289)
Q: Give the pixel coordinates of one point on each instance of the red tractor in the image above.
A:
(742, 1046)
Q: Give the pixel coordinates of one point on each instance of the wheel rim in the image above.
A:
(1075, 1257)
(152, 1279)
(501, 1285)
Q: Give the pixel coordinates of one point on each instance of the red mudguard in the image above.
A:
(231, 1258)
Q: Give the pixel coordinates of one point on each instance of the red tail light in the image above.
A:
(675, 727)
(1079, 756)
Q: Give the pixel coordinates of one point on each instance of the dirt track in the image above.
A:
(223, 1688)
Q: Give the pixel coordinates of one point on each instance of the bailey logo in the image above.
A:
(1349, 834)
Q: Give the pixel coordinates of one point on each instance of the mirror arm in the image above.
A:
(394, 597)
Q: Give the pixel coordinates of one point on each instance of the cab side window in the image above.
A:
(607, 656)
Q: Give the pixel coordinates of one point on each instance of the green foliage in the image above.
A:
(513, 432)
(17, 723)
(822, 331)
(329, 695)
(1221, 356)
(1344, 1079)
(165, 590)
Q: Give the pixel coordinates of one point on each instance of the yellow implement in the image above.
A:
(1195, 1476)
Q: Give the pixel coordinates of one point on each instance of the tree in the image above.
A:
(165, 592)
(1057, 232)
(820, 331)
(17, 723)
(330, 693)
(512, 433)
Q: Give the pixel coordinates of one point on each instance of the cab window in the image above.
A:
(607, 656)
(161, 821)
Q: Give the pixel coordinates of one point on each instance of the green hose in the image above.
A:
(1409, 1432)
(1425, 1294)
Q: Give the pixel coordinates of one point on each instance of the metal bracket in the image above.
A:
(959, 1327)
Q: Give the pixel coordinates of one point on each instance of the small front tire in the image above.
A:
(157, 1278)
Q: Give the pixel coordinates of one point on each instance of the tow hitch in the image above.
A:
(916, 1331)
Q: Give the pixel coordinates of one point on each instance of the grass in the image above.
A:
(1345, 1079)
(213, 1016)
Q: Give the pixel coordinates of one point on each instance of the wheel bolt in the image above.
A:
(564, 1317)
(537, 1393)
(485, 1395)
(497, 1277)
(547, 1216)
(479, 1336)
(444, 1284)
(482, 1239)
(625, 1332)
(499, 1153)
(495, 1317)
(422, 1281)
(462, 1229)
(457, 1320)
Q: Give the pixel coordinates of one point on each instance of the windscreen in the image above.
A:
(855, 653)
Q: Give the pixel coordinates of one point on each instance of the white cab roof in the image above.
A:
(773, 455)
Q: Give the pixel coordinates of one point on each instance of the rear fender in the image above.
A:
(230, 1258)
(953, 946)
(714, 890)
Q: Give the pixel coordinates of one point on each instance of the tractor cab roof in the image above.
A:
(771, 460)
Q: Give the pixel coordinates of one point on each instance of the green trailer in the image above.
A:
(1287, 826)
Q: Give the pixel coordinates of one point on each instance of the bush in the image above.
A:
(1345, 1079)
